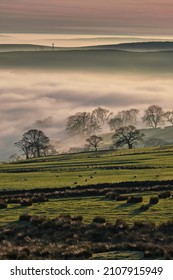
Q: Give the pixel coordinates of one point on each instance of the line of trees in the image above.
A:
(85, 123)
(34, 143)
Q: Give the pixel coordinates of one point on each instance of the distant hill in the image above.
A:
(138, 46)
(23, 47)
(135, 46)
(94, 59)
(153, 137)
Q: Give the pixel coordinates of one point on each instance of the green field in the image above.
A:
(90, 207)
(84, 169)
(47, 235)
(76, 169)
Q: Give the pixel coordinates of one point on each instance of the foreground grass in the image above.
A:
(66, 237)
(90, 207)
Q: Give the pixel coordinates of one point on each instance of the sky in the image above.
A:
(89, 17)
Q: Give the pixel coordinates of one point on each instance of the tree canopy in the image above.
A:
(94, 141)
(127, 135)
(153, 116)
(33, 143)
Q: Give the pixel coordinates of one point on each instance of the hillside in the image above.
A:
(153, 137)
(139, 46)
(134, 46)
(93, 60)
(22, 47)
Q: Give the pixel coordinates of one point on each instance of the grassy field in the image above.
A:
(84, 169)
(39, 177)
(89, 168)
(90, 207)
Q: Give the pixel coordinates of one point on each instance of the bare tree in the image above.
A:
(153, 116)
(101, 115)
(94, 141)
(82, 123)
(123, 118)
(115, 123)
(50, 150)
(24, 146)
(169, 116)
(13, 158)
(33, 143)
(128, 117)
(127, 135)
(45, 123)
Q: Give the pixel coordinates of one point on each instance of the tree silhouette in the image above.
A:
(82, 123)
(94, 141)
(33, 143)
(127, 135)
(153, 116)
(169, 116)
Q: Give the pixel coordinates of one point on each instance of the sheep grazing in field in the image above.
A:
(75, 183)
(91, 177)
(24, 179)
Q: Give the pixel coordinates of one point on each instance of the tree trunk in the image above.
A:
(38, 152)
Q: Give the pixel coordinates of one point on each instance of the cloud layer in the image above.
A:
(27, 97)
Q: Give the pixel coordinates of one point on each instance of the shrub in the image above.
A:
(154, 200)
(122, 197)
(121, 224)
(14, 200)
(99, 220)
(3, 204)
(25, 217)
(37, 220)
(65, 217)
(135, 199)
(26, 202)
(77, 219)
(148, 226)
(38, 199)
(165, 194)
(111, 195)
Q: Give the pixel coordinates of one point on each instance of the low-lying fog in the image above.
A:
(27, 96)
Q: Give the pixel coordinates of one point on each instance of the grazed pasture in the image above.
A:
(89, 185)
(89, 168)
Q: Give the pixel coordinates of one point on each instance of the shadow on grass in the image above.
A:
(125, 205)
(17, 207)
(143, 208)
